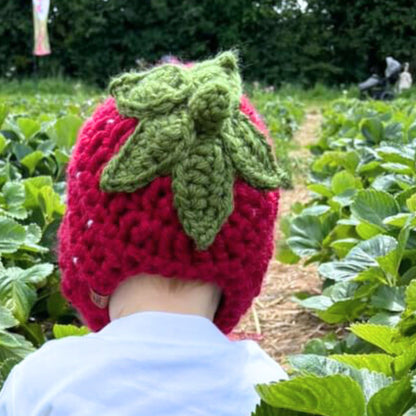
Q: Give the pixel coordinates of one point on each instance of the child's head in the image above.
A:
(172, 176)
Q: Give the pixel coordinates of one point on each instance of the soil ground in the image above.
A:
(279, 324)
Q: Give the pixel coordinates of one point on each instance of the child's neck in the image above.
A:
(154, 293)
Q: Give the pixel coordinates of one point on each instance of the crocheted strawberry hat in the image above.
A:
(173, 175)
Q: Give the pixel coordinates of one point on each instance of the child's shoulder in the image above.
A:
(259, 365)
(55, 357)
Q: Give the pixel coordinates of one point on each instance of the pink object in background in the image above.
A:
(40, 20)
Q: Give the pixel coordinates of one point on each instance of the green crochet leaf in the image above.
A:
(203, 191)
(210, 106)
(250, 153)
(224, 67)
(157, 91)
(151, 151)
(190, 128)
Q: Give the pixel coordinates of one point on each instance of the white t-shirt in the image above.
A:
(147, 364)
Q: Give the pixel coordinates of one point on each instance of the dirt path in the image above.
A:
(283, 325)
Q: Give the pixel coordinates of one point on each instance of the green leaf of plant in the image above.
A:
(411, 203)
(389, 298)
(17, 291)
(14, 195)
(343, 246)
(373, 130)
(7, 320)
(3, 141)
(385, 318)
(403, 155)
(316, 210)
(66, 130)
(4, 110)
(342, 182)
(320, 189)
(33, 187)
(398, 220)
(50, 202)
(12, 235)
(369, 381)
(36, 275)
(13, 346)
(361, 258)
(411, 295)
(384, 337)
(367, 231)
(335, 395)
(28, 127)
(7, 366)
(61, 331)
(285, 254)
(31, 160)
(307, 234)
(343, 311)
(374, 206)
(56, 305)
(319, 303)
(33, 236)
(403, 363)
(17, 296)
(395, 399)
(397, 168)
(380, 363)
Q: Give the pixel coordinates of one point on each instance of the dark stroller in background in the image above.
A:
(382, 88)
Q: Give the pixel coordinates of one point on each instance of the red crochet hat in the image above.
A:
(189, 191)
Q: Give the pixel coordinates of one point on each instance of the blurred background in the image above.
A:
(281, 41)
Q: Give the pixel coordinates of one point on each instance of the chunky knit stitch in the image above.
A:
(108, 236)
(191, 129)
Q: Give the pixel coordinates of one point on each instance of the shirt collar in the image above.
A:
(164, 327)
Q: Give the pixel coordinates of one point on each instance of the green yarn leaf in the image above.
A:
(190, 128)
(203, 191)
(157, 91)
(151, 151)
(251, 154)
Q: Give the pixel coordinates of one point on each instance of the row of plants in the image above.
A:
(36, 137)
(360, 228)
(283, 115)
(37, 133)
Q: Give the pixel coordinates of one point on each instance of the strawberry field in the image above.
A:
(36, 137)
(359, 227)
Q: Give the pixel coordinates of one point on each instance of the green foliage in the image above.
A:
(33, 142)
(283, 116)
(359, 223)
(279, 41)
(363, 177)
(62, 331)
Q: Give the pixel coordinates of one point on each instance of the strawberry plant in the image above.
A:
(360, 227)
(360, 222)
(35, 145)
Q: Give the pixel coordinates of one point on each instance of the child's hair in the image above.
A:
(190, 191)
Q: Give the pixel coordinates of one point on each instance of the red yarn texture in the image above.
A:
(107, 237)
